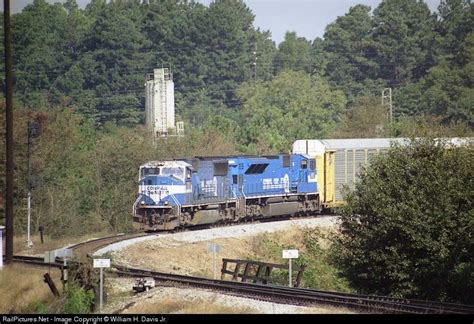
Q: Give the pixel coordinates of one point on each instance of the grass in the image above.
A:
(23, 290)
(313, 245)
(19, 244)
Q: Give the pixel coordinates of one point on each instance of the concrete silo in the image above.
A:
(159, 104)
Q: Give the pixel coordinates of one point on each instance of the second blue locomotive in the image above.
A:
(208, 190)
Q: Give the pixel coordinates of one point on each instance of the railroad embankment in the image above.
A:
(187, 253)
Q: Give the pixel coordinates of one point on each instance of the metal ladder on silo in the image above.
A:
(164, 107)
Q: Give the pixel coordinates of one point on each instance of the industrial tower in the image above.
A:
(159, 104)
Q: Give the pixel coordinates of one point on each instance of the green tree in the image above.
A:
(454, 24)
(407, 228)
(404, 36)
(112, 63)
(293, 53)
(293, 105)
(41, 52)
(446, 90)
(365, 118)
(348, 53)
(210, 50)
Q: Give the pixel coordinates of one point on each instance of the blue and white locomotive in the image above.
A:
(206, 190)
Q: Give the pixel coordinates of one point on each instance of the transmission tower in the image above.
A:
(387, 102)
(255, 63)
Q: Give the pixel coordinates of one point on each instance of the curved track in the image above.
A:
(88, 247)
(298, 296)
(302, 296)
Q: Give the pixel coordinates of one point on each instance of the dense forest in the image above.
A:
(228, 73)
(80, 74)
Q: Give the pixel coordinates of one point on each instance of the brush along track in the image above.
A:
(295, 296)
(89, 247)
(302, 296)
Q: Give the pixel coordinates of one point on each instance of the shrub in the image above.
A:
(407, 228)
(77, 300)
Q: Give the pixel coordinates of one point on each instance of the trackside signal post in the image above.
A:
(101, 264)
(290, 254)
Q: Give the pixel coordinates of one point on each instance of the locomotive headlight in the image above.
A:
(166, 203)
(142, 202)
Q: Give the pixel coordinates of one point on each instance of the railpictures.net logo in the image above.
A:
(83, 319)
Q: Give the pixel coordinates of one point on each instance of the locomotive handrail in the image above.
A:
(134, 209)
(176, 201)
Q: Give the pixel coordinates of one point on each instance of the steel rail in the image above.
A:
(95, 244)
(286, 294)
(461, 308)
(299, 295)
(32, 260)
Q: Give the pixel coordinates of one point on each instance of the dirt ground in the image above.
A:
(187, 253)
(169, 255)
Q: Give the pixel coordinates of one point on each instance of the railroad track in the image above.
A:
(37, 261)
(295, 296)
(449, 307)
(304, 296)
(88, 247)
(298, 296)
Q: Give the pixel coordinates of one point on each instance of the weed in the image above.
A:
(77, 300)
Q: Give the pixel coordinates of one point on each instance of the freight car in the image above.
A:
(339, 161)
(208, 190)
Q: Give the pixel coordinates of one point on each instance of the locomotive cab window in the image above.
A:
(304, 164)
(175, 172)
(312, 164)
(149, 171)
(188, 174)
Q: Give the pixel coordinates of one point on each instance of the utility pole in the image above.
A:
(255, 64)
(33, 131)
(8, 135)
(387, 101)
(29, 243)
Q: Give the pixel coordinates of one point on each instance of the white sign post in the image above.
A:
(1, 246)
(290, 254)
(214, 249)
(101, 263)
